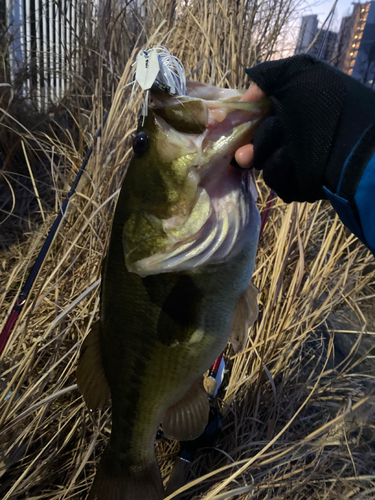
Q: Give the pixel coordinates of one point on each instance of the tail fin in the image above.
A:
(116, 481)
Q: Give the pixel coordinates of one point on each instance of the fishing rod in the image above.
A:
(325, 37)
(22, 297)
(149, 66)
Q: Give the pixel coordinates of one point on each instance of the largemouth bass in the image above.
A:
(179, 263)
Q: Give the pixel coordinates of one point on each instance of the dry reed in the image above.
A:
(297, 424)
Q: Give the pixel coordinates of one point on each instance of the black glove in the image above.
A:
(322, 117)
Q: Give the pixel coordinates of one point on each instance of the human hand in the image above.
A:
(320, 114)
(244, 156)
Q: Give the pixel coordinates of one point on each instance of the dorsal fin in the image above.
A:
(91, 379)
(245, 314)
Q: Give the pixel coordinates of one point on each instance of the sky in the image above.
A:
(323, 7)
(306, 7)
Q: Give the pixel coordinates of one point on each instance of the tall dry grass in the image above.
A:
(297, 423)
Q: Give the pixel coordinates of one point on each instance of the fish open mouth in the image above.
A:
(224, 217)
(218, 128)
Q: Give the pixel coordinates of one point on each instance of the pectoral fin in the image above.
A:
(252, 296)
(91, 379)
(187, 419)
(245, 314)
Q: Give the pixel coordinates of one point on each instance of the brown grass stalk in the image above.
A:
(298, 423)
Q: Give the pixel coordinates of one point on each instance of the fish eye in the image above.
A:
(141, 143)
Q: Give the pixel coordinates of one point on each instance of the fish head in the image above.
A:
(188, 206)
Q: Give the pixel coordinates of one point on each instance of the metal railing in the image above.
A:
(43, 45)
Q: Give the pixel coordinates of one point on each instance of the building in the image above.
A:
(355, 53)
(343, 43)
(318, 43)
(324, 45)
(42, 54)
(307, 32)
(3, 43)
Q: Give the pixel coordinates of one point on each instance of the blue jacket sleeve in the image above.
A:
(358, 214)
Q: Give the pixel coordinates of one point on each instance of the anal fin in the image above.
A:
(187, 419)
(91, 379)
(245, 314)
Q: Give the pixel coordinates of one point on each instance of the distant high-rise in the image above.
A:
(323, 46)
(307, 32)
(355, 53)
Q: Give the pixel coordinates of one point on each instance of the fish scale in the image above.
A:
(162, 326)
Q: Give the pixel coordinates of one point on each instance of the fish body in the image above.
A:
(179, 262)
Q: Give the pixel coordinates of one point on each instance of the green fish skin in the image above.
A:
(180, 258)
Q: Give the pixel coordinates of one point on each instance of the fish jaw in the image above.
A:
(208, 211)
(222, 218)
